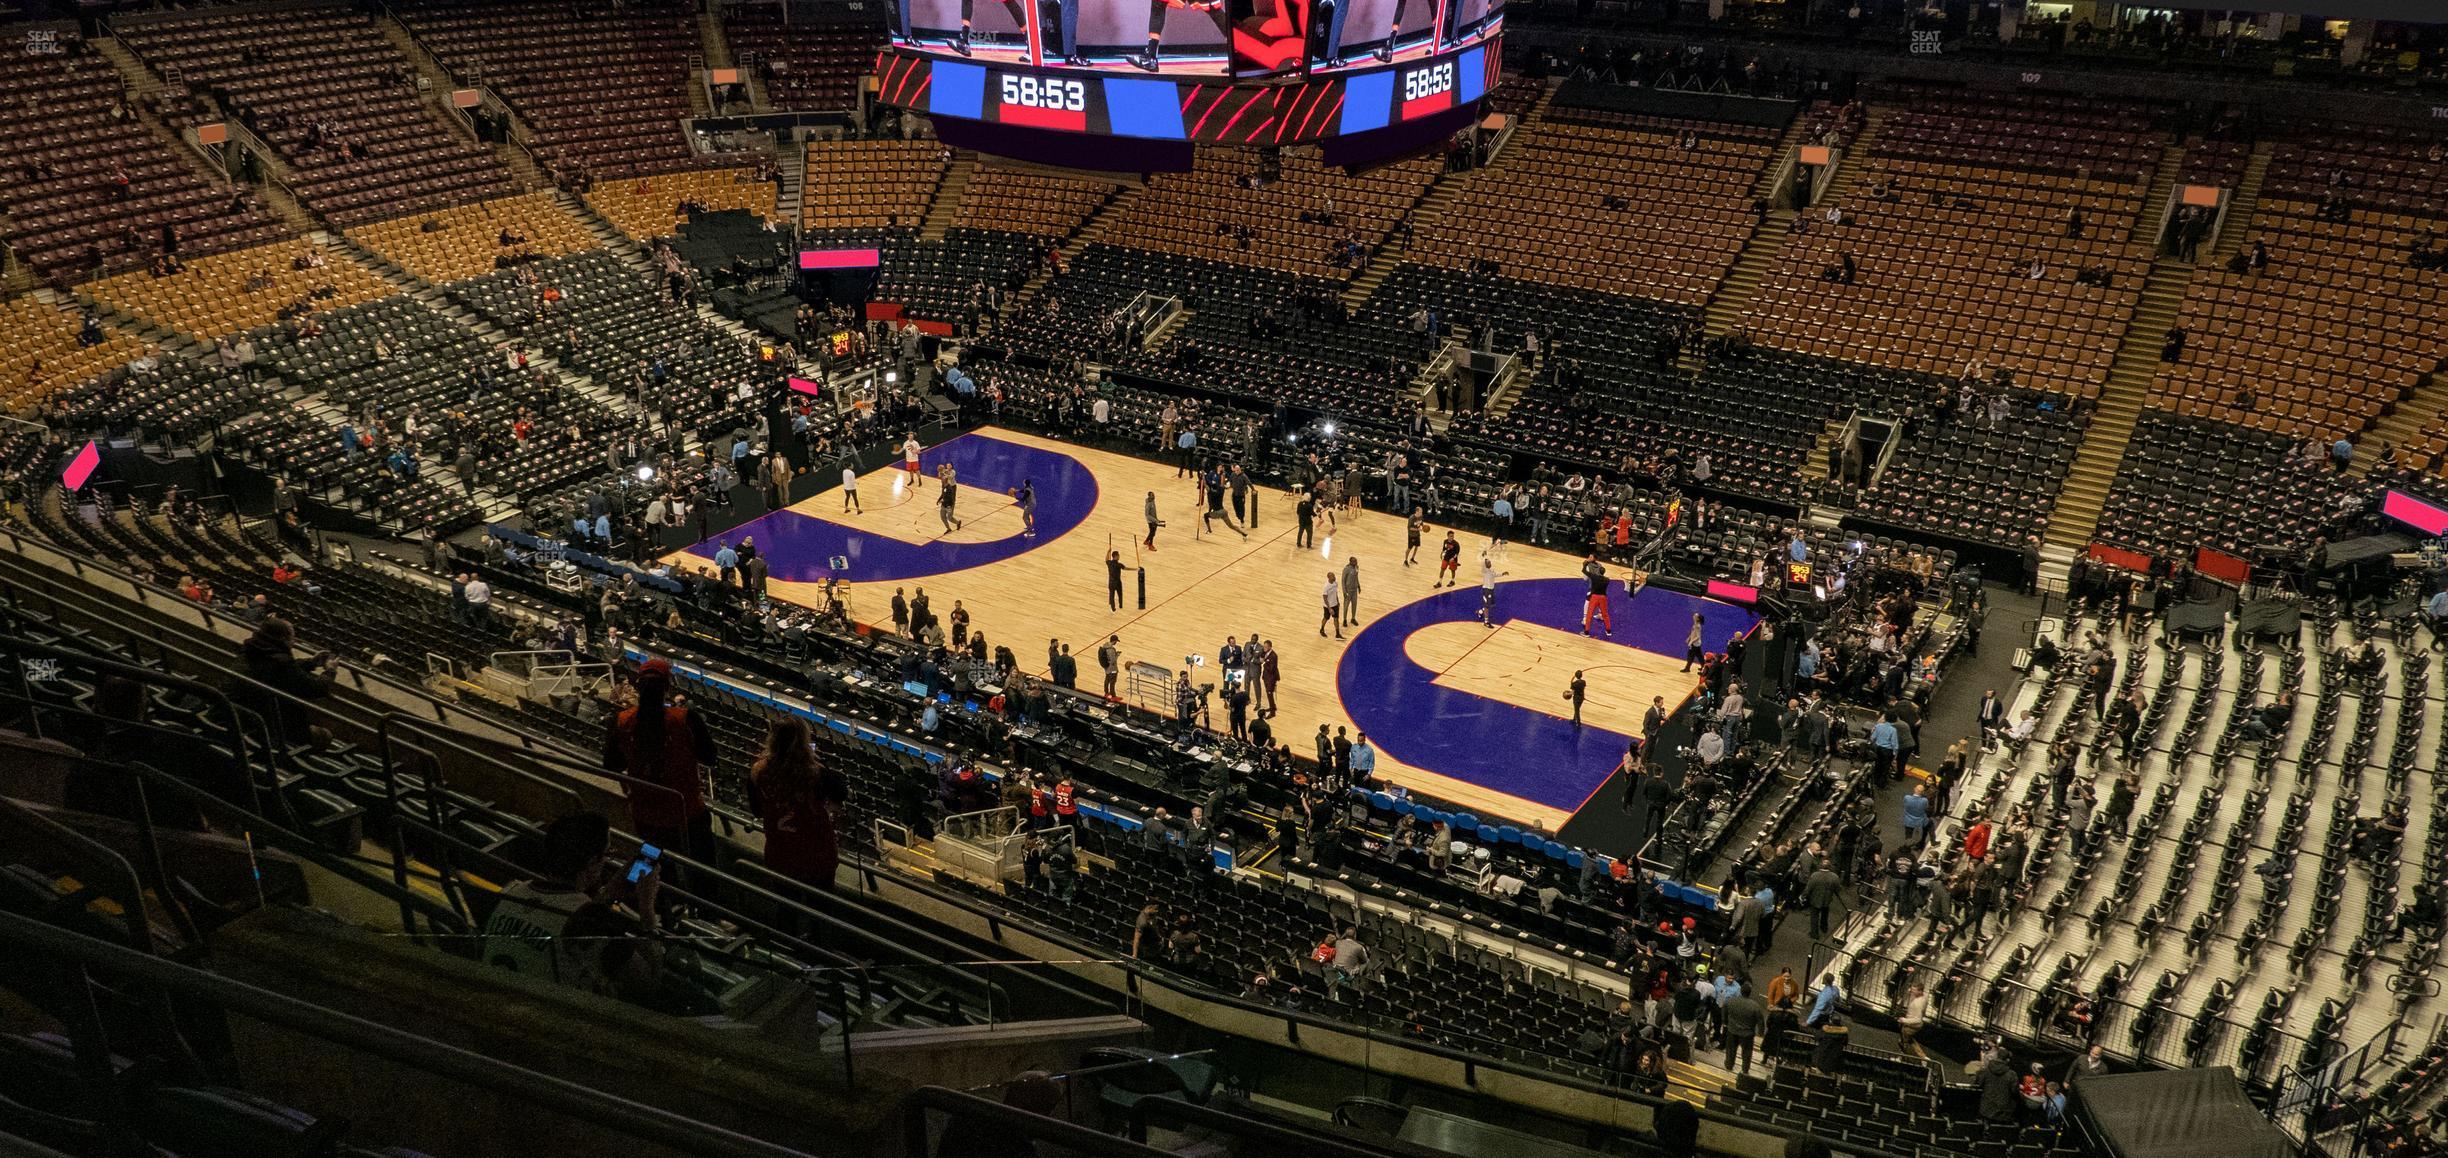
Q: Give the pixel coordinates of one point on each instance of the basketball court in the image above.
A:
(1459, 711)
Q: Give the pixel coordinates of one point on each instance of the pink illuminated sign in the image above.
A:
(2414, 512)
(81, 467)
(840, 258)
(1733, 592)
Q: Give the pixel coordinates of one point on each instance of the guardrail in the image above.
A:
(72, 952)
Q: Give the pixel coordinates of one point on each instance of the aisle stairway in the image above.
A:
(1099, 223)
(1427, 213)
(949, 194)
(713, 43)
(790, 158)
(1796, 135)
(2402, 423)
(2162, 191)
(2235, 223)
(1767, 245)
(2085, 493)
(630, 252)
(1424, 215)
(437, 84)
(142, 81)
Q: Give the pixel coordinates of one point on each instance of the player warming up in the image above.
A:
(1488, 575)
(1449, 563)
(1597, 605)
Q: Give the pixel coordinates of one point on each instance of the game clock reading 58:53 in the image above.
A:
(1435, 80)
(1045, 92)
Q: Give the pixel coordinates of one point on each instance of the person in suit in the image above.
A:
(1992, 717)
(1745, 1016)
(1819, 892)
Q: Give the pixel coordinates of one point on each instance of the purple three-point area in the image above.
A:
(1498, 746)
(797, 547)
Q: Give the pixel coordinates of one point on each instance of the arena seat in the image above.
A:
(605, 91)
(2189, 482)
(869, 184)
(338, 102)
(810, 59)
(1293, 227)
(1012, 200)
(1685, 214)
(71, 137)
(212, 296)
(40, 351)
(185, 401)
(647, 208)
(2309, 347)
(616, 325)
(1965, 196)
(463, 241)
(398, 363)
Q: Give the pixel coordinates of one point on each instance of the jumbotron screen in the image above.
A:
(1195, 38)
(1218, 110)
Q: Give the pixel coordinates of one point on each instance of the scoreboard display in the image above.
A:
(1246, 39)
(1255, 72)
(1217, 110)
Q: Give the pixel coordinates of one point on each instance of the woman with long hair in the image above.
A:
(798, 799)
(667, 745)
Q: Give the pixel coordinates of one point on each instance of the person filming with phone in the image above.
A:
(588, 919)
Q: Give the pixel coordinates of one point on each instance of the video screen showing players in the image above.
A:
(1353, 34)
(1124, 37)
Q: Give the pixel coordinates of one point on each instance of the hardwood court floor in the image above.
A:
(1202, 587)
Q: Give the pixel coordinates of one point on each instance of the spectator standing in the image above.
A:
(798, 800)
(1745, 1015)
(663, 749)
